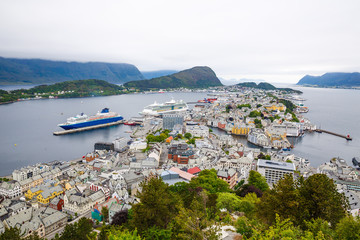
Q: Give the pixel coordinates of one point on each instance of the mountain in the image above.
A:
(196, 77)
(266, 86)
(15, 71)
(336, 79)
(155, 74)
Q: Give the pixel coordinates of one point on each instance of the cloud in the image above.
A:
(270, 39)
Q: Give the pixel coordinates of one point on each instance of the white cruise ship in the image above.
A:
(157, 109)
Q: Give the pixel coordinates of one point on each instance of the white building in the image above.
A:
(292, 129)
(120, 144)
(273, 171)
(198, 130)
(10, 189)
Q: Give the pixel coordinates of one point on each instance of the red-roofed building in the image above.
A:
(182, 174)
(194, 170)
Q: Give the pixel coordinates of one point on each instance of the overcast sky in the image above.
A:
(278, 41)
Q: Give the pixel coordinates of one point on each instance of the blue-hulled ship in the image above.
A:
(82, 120)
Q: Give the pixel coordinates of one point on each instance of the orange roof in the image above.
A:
(194, 170)
(182, 174)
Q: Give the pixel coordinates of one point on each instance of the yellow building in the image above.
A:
(238, 130)
(33, 192)
(48, 194)
(275, 107)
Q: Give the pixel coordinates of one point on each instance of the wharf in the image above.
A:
(347, 137)
(87, 128)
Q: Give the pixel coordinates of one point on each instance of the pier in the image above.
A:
(87, 128)
(347, 137)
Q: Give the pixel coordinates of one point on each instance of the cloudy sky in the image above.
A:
(278, 41)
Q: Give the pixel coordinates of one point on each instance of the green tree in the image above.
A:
(320, 199)
(79, 230)
(348, 228)
(105, 213)
(124, 235)
(188, 135)
(208, 180)
(257, 180)
(320, 228)
(157, 206)
(192, 222)
(157, 233)
(282, 200)
(229, 201)
(11, 233)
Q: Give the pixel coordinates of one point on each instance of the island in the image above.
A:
(196, 77)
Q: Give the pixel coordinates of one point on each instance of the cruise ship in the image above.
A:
(82, 120)
(157, 109)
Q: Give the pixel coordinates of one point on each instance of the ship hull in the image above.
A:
(91, 123)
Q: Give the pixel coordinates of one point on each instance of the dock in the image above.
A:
(87, 128)
(347, 137)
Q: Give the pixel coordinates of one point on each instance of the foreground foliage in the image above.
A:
(293, 209)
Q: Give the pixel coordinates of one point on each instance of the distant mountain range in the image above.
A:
(36, 71)
(336, 79)
(266, 86)
(197, 77)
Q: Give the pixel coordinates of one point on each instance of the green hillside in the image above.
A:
(197, 77)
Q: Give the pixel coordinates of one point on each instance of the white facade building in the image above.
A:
(273, 171)
(198, 130)
(10, 189)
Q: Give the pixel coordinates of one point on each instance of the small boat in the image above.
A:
(130, 123)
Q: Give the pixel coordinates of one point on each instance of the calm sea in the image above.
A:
(26, 127)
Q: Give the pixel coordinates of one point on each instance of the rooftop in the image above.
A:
(276, 165)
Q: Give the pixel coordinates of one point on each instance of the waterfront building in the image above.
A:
(275, 107)
(273, 171)
(120, 144)
(257, 137)
(29, 171)
(240, 129)
(291, 129)
(170, 120)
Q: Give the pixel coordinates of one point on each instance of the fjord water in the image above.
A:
(26, 127)
(336, 110)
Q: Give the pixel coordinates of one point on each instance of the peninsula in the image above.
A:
(67, 89)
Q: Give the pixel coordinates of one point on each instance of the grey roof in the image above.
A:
(17, 219)
(276, 165)
(96, 196)
(3, 211)
(354, 201)
(53, 218)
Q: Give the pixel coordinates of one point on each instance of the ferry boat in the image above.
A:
(158, 109)
(82, 120)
